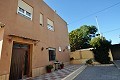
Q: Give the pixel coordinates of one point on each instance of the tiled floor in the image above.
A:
(59, 74)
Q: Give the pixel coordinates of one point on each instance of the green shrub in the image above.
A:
(90, 61)
(101, 49)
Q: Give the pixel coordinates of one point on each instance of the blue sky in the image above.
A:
(73, 12)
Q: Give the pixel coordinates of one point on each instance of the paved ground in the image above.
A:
(59, 74)
(99, 73)
(117, 63)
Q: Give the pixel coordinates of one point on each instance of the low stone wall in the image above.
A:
(42, 70)
(4, 77)
(38, 71)
(80, 56)
(81, 61)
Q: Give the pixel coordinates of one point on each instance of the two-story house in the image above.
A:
(32, 35)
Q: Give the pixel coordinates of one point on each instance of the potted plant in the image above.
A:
(89, 61)
(48, 68)
(62, 65)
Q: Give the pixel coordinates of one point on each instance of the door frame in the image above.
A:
(30, 55)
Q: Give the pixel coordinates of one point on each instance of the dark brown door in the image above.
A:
(19, 62)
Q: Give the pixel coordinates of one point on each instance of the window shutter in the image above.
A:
(25, 6)
(41, 19)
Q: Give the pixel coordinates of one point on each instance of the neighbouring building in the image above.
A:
(32, 35)
(115, 49)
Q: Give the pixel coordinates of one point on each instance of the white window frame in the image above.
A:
(24, 14)
(53, 57)
(50, 27)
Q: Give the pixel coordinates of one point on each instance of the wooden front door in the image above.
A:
(20, 62)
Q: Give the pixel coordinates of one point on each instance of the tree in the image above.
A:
(101, 49)
(79, 38)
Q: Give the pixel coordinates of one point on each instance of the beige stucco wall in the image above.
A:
(75, 55)
(4, 77)
(20, 26)
(80, 56)
(87, 54)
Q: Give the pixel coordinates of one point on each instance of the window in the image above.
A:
(50, 25)
(28, 14)
(21, 10)
(41, 19)
(24, 9)
(52, 54)
(24, 13)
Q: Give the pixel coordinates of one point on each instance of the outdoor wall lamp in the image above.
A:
(10, 39)
(42, 48)
(1, 25)
(63, 50)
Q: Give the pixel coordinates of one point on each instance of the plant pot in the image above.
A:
(62, 66)
(48, 70)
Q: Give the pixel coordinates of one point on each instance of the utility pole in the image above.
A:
(98, 26)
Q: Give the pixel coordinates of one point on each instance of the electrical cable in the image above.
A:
(111, 30)
(96, 12)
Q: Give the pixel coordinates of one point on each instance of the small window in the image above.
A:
(28, 14)
(52, 54)
(21, 10)
(24, 13)
(50, 25)
(41, 19)
(25, 9)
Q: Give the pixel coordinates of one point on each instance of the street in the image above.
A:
(99, 73)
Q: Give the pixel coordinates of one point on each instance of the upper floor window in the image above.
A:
(24, 9)
(28, 14)
(50, 25)
(21, 10)
(41, 19)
